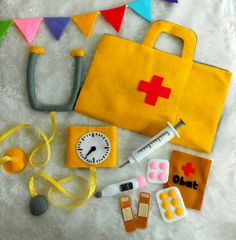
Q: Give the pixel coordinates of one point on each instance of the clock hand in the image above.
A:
(92, 149)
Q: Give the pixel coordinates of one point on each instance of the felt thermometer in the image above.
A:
(154, 143)
(122, 187)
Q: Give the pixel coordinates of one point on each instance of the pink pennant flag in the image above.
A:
(28, 27)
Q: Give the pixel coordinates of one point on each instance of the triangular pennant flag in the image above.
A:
(114, 16)
(4, 27)
(86, 22)
(172, 1)
(142, 8)
(28, 27)
(57, 25)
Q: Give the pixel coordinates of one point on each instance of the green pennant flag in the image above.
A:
(4, 27)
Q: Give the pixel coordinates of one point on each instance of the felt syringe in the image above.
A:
(154, 143)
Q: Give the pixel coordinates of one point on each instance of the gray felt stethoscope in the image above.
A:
(35, 51)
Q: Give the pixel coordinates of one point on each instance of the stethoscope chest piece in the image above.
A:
(38, 205)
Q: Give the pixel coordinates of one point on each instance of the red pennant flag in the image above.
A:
(114, 16)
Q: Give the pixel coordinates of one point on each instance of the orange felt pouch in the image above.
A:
(138, 87)
(189, 173)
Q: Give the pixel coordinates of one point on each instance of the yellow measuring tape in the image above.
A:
(56, 185)
(46, 143)
(5, 159)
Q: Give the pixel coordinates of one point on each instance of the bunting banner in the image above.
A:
(85, 22)
(172, 1)
(57, 25)
(114, 16)
(28, 27)
(4, 27)
(142, 8)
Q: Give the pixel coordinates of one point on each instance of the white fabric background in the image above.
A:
(215, 24)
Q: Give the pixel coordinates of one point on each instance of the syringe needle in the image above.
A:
(121, 166)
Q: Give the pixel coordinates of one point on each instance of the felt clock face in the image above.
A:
(93, 148)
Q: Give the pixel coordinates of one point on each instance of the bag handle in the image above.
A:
(188, 36)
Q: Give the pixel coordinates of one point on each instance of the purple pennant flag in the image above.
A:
(172, 1)
(57, 25)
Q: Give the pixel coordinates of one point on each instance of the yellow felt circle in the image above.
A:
(18, 160)
(37, 50)
(175, 202)
(163, 196)
(166, 205)
(77, 53)
(179, 212)
(172, 193)
(169, 215)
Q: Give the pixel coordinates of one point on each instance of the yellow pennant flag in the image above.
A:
(85, 22)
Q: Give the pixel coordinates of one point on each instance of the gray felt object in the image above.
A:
(35, 104)
(98, 194)
(38, 205)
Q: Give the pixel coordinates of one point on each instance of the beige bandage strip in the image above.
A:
(127, 213)
(143, 210)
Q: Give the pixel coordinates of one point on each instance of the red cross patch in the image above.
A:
(154, 89)
(188, 168)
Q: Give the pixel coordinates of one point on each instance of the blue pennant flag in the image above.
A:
(142, 8)
(57, 25)
(172, 1)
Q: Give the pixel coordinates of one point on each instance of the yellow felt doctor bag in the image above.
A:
(140, 88)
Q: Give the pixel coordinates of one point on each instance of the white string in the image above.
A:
(125, 2)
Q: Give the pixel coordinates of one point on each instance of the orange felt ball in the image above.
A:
(18, 160)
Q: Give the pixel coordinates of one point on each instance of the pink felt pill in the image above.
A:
(152, 175)
(161, 177)
(163, 166)
(153, 165)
